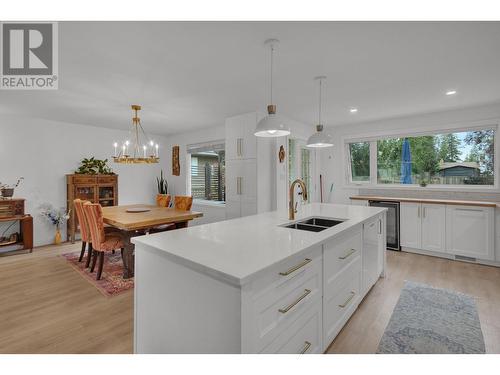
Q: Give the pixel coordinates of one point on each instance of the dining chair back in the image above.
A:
(163, 200)
(84, 229)
(183, 202)
(101, 242)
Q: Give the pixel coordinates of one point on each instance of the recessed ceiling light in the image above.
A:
(353, 110)
(451, 92)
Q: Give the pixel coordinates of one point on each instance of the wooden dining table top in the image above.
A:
(118, 216)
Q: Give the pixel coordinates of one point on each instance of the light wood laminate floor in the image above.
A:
(47, 307)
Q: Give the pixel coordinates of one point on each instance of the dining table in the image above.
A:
(137, 219)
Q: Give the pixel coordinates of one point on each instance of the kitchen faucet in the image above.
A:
(292, 208)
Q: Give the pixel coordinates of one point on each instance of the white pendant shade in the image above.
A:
(320, 139)
(271, 126)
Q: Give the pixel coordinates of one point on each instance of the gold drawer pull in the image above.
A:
(288, 308)
(295, 268)
(348, 300)
(306, 347)
(349, 253)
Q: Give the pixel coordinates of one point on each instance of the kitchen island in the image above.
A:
(258, 284)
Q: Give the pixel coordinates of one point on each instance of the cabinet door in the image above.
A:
(233, 138)
(234, 174)
(248, 144)
(470, 231)
(433, 227)
(248, 174)
(410, 225)
(372, 254)
(233, 209)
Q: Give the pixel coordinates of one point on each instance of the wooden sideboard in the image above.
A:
(13, 210)
(101, 188)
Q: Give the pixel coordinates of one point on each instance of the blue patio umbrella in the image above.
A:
(406, 163)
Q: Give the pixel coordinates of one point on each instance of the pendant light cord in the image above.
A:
(272, 55)
(319, 119)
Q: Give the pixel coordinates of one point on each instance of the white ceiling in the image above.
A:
(190, 75)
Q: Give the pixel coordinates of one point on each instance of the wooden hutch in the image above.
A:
(12, 209)
(99, 188)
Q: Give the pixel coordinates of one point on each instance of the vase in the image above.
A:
(57, 237)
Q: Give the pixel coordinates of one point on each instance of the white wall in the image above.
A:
(331, 160)
(43, 152)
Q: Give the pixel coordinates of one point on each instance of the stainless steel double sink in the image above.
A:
(314, 224)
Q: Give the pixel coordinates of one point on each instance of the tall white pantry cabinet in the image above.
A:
(249, 167)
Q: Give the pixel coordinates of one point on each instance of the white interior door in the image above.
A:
(433, 227)
(411, 225)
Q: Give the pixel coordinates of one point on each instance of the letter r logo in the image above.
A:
(27, 49)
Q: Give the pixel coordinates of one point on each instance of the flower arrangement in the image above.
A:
(55, 217)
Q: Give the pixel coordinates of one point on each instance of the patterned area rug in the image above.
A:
(428, 320)
(111, 283)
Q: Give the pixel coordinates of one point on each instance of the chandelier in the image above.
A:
(141, 150)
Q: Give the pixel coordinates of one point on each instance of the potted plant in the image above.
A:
(162, 198)
(55, 217)
(8, 190)
(94, 166)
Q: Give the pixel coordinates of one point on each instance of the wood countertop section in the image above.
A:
(424, 200)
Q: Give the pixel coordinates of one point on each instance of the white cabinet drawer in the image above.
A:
(274, 311)
(281, 295)
(338, 254)
(340, 302)
(303, 336)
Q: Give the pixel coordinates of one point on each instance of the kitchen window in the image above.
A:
(207, 171)
(443, 159)
(359, 162)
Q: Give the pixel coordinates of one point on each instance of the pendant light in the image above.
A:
(320, 139)
(271, 125)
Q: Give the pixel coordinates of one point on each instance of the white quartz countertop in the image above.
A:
(235, 251)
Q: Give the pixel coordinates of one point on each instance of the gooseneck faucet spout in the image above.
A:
(292, 208)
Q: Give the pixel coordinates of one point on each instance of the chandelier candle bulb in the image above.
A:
(115, 145)
(144, 148)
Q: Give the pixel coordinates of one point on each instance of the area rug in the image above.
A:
(112, 282)
(429, 320)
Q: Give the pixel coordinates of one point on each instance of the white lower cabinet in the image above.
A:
(422, 226)
(373, 260)
(434, 227)
(457, 230)
(302, 304)
(470, 231)
(410, 225)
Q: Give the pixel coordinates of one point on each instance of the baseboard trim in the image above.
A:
(450, 256)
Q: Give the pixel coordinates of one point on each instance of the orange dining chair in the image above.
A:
(84, 230)
(101, 242)
(181, 202)
(163, 200)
